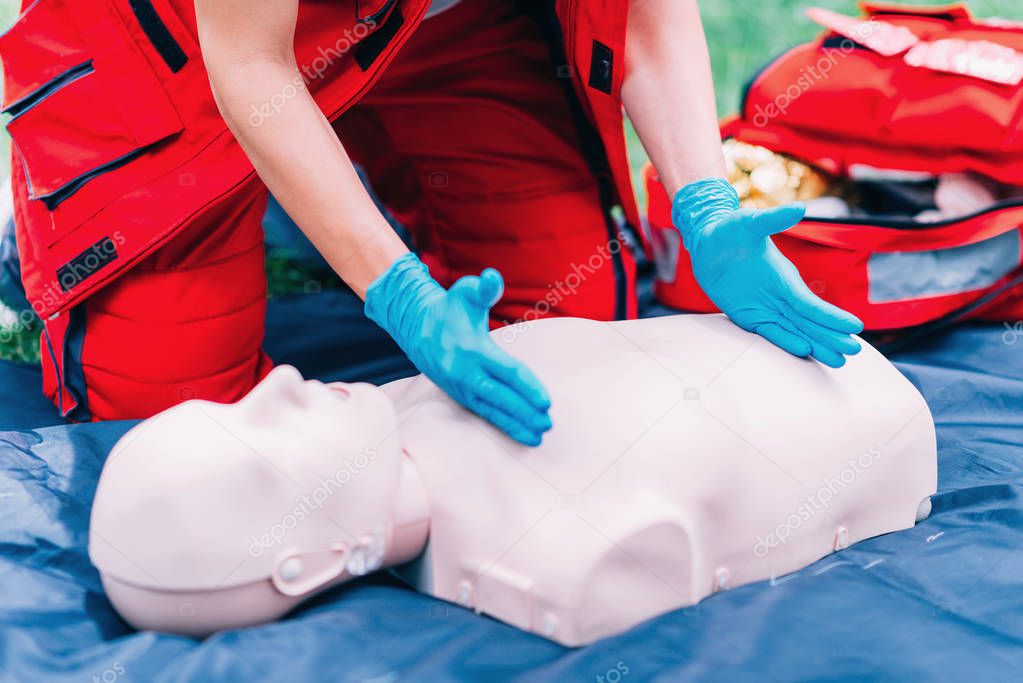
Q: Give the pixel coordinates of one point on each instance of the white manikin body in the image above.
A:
(682, 447)
(687, 456)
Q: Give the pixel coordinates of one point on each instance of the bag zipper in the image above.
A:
(909, 224)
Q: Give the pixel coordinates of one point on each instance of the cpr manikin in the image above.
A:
(687, 456)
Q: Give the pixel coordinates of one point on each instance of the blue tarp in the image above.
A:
(941, 601)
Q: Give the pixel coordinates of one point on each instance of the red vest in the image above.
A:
(117, 141)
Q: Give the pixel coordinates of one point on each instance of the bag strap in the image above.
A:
(159, 35)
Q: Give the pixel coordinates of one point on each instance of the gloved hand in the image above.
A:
(743, 273)
(444, 332)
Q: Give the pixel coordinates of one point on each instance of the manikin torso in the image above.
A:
(678, 442)
(687, 456)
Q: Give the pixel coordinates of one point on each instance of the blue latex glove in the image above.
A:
(743, 273)
(444, 332)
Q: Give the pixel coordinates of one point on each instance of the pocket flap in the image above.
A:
(77, 131)
(41, 47)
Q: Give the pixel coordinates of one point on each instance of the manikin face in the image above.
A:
(313, 416)
(297, 482)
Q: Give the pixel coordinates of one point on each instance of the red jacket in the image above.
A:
(117, 141)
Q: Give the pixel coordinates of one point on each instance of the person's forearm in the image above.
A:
(305, 166)
(668, 91)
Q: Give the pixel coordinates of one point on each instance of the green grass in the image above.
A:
(742, 35)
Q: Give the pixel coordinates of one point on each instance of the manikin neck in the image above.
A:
(411, 517)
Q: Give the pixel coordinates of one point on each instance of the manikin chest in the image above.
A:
(687, 456)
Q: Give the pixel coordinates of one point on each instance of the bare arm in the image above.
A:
(248, 48)
(669, 91)
(669, 95)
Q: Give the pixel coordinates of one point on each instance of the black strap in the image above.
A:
(73, 380)
(841, 43)
(159, 35)
(590, 142)
(601, 67)
(373, 44)
(912, 13)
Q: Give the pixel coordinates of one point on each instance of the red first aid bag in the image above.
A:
(905, 91)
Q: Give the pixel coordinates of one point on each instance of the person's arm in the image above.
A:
(668, 94)
(669, 91)
(248, 48)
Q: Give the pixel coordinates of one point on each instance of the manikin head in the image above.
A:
(211, 516)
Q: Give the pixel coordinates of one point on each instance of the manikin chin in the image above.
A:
(687, 457)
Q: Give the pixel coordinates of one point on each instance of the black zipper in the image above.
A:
(591, 145)
(55, 198)
(16, 109)
(379, 14)
(910, 224)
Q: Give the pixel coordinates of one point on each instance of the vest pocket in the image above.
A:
(42, 46)
(34, 97)
(79, 108)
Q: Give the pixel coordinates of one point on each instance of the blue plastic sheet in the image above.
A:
(940, 601)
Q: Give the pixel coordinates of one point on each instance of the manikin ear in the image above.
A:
(303, 572)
